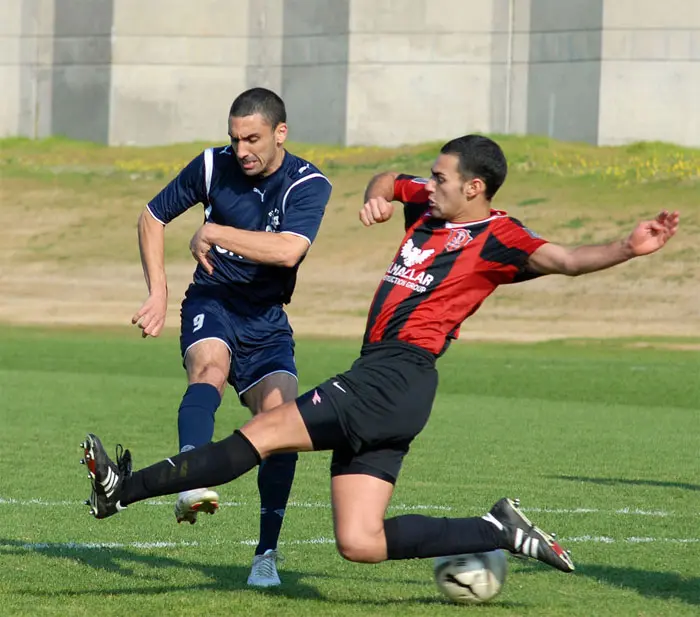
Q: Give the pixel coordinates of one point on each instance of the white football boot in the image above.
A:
(264, 570)
(190, 503)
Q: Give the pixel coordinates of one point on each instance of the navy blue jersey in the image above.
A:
(291, 200)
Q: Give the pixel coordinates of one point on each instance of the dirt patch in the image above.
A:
(329, 304)
(661, 345)
(68, 255)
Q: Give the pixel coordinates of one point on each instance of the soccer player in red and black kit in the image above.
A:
(456, 251)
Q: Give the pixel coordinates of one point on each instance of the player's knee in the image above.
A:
(208, 373)
(361, 546)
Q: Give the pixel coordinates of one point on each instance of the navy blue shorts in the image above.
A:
(259, 338)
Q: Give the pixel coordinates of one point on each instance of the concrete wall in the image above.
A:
(563, 88)
(353, 71)
(315, 68)
(26, 67)
(82, 69)
(174, 79)
(650, 73)
(419, 73)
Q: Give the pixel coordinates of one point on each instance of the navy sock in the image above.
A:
(195, 419)
(209, 465)
(275, 478)
(413, 536)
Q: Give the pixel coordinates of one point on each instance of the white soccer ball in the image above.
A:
(472, 578)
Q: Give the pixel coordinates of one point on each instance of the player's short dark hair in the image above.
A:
(479, 157)
(260, 101)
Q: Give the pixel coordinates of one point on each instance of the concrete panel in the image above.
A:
(181, 17)
(315, 17)
(10, 19)
(82, 50)
(519, 96)
(25, 46)
(80, 88)
(563, 100)
(412, 106)
(668, 14)
(385, 16)
(568, 15)
(315, 50)
(180, 50)
(564, 69)
(316, 102)
(26, 17)
(522, 11)
(314, 69)
(650, 101)
(80, 102)
(10, 51)
(80, 18)
(265, 44)
(466, 16)
(10, 75)
(36, 50)
(565, 46)
(508, 48)
(420, 16)
(423, 48)
(642, 45)
(36, 102)
(154, 105)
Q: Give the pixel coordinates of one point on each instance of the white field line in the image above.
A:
(100, 546)
(5, 501)
(8, 501)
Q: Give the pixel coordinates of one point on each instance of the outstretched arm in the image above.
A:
(648, 237)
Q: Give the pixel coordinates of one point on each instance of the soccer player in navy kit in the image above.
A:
(262, 210)
(456, 251)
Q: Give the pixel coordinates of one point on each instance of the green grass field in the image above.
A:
(599, 440)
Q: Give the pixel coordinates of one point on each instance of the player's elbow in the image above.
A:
(291, 250)
(288, 260)
(148, 220)
(570, 266)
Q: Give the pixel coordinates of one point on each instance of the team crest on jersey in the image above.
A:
(458, 238)
(413, 255)
(273, 220)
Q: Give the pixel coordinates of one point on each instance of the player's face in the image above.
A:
(446, 188)
(257, 145)
(449, 193)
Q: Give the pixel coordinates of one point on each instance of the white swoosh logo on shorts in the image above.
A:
(337, 385)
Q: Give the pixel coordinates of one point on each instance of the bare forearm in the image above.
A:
(261, 246)
(591, 258)
(152, 249)
(555, 259)
(646, 238)
(382, 185)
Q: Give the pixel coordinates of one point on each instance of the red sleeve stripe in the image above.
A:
(410, 189)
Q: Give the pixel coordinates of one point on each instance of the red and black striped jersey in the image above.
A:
(443, 271)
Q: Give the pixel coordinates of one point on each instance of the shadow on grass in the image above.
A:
(613, 481)
(659, 585)
(232, 578)
(121, 561)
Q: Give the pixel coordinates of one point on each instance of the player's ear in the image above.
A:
(281, 133)
(473, 188)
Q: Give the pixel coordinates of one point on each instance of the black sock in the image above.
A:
(412, 536)
(275, 478)
(210, 465)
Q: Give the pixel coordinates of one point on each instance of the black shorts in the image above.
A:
(370, 414)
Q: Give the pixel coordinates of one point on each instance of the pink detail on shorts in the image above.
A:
(316, 398)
